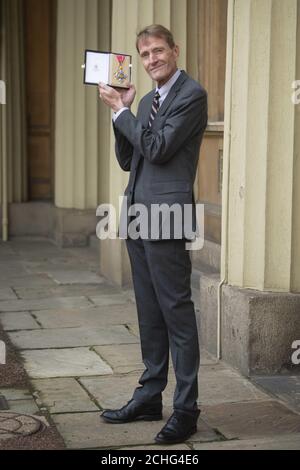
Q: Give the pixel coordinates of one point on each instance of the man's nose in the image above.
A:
(153, 58)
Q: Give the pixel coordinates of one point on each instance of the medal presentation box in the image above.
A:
(107, 67)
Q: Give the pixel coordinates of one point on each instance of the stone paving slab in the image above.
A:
(71, 337)
(87, 254)
(73, 362)
(43, 304)
(23, 406)
(207, 359)
(129, 293)
(8, 256)
(90, 317)
(117, 299)
(36, 265)
(291, 442)
(35, 247)
(134, 328)
(227, 388)
(56, 265)
(18, 321)
(83, 251)
(125, 358)
(28, 281)
(56, 258)
(12, 269)
(285, 388)
(6, 248)
(218, 384)
(75, 277)
(111, 392)
(122, 358)
(38, 292)
(40, 254)
(88, 430)
(63, 395)
(251, 419)
(6, 293)
(15, 393)
(116, 390)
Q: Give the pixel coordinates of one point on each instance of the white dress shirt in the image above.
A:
(163, 91)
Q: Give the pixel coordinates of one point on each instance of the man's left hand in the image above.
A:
(110, 97)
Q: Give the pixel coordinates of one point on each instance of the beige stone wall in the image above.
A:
(295, 271)
(261, 198)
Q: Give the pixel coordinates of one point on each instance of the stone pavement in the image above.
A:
(78, 337)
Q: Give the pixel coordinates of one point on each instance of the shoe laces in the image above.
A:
(180, 419)
(174, 419)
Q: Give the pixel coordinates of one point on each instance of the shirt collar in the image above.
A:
(164, 90)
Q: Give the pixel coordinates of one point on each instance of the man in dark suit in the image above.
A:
(160, 147)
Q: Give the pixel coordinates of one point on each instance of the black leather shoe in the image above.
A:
(134, 411)
(180, 426)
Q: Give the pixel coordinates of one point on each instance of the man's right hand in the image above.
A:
(128, 95)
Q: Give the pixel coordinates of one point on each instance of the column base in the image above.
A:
(73, 227)
(210, 255)
(114, 262)
(258, 328)
(67, 227)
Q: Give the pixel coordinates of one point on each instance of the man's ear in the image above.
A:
(176, 51)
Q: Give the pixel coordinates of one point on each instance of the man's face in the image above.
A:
(158, 58)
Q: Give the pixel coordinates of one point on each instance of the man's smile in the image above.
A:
(157, 68)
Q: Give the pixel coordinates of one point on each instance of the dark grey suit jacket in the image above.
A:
(163, 159)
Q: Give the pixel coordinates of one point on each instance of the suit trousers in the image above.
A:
(161, 272)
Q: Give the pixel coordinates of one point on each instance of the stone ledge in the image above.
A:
(258, 328)
(67, 227)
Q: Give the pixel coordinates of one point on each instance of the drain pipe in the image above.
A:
(4, 136)
(226, 169)
(4, 182)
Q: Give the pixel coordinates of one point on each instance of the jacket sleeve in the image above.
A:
(123, 149)
(158, 146)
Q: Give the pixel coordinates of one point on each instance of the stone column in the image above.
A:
(113, 257)
(261, 199)
(81, 143)
(295, 271)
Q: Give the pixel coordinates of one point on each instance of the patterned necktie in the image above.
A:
(154, 109)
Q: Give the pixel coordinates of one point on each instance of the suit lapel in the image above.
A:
(145, 111)
(172, 93)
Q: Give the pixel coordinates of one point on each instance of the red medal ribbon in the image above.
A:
(121, 59)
